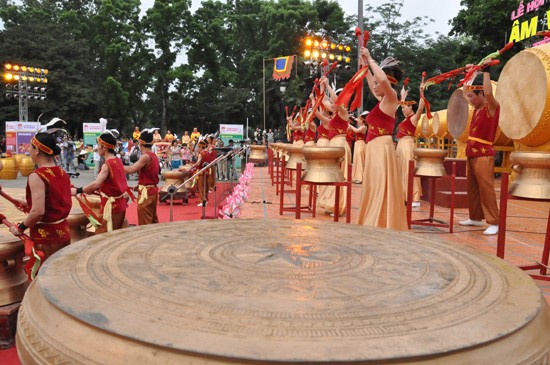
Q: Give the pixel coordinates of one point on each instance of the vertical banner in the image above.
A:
(234, 132)
(91, 131)
(19, 135)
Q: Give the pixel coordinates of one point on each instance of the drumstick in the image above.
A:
(35, 257)
(15, 202)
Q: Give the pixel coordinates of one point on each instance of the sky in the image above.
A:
(439, 10)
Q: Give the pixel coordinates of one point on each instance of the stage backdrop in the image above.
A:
(19, 135)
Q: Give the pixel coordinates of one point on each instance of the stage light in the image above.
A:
(42, 89)
(43, 98)
(307, 53)
(24, 78)
(308, 42)
(348, 59)
(16, 77)
(315, 43)
(31, 69)
(348, 67)
(332, 46)
(31, 78)
(331, 56)
(348, 48)
(8, 66)
(315, 54)
(15, 67)
(339, 58)
(324, 44)
(323, 55)
(340, 47)
(45, 80)
(8, 76)
(8, 96)
(45, 71)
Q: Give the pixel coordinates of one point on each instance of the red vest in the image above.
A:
(482, 133)
(58, 205)
(380, 124)
(322, 132)
(115, 185)
(405, 128)
(310, 135)
(149, 175)
(360, 136)
(297, 135)
(337, 126)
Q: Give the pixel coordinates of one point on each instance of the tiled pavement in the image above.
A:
(524, 240)
(526, 222)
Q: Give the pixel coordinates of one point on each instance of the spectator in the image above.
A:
(186, 138)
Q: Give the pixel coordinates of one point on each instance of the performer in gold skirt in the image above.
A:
(359, 148)
(405, 144)
(382, 192)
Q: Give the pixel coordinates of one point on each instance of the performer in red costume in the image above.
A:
(202, 160)
(111, 185)
(480, 153)
(359, 148)
(337, 130)
(147, 168)
(296, 128)
(311, 134)
(48, 198)
(382, 191)
(405, 144)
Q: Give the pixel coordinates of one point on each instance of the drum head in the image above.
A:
(523, 93)
(457, 114)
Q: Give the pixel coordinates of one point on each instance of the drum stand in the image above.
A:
(542, 266)
(313, 191)
(280, 177)
(430, 221)
(297, 209)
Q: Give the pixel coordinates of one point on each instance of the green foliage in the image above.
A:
(107, 60)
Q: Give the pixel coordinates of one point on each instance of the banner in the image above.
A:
(234, 132)
(19, 135)
(282, 67)
(90, 132)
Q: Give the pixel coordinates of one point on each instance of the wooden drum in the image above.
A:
(439, 124)
(300, 293)
(459, 116)
(524, 96)
(13, 280)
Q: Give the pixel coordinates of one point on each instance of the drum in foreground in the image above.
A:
(299, 292)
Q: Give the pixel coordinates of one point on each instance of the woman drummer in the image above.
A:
(405, 144)
(382, 190)
(47, 186)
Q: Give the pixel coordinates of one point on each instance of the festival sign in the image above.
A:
(529, 18)
(19, 135)
(90, 132)
(234, 132)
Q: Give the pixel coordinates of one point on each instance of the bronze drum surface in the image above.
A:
(176, 178)
(525, 96)
(148, 295)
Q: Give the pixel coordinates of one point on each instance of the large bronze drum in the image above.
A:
(257, 154)
(295, 156)
(418, 130)
(459, 116)
(429, 162)
(302, 292)
(524, 96)
(532, 174)
(323, 164)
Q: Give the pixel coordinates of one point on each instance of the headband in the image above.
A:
(474, 87)
(141, 141)
(105, 144)
(407, 102)
(42, 147)
(392, 79)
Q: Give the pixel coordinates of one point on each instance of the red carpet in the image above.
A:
(9, 356)
(183, 212)
(180, 213)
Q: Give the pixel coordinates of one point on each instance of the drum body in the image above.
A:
(13, 280)
(439, 124)
(525, 96)
(9, 170)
